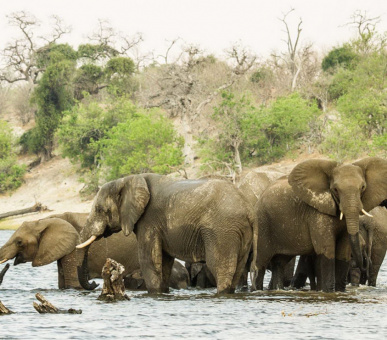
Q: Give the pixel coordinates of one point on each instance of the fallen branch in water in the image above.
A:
(4, 310)
(35, 208)
(47, 307)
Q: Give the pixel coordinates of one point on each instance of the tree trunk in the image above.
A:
(113, 281)
(47, 307)
(4, 310)
(35, 208)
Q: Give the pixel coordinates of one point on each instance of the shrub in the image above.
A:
(147, 142)
(11, 174)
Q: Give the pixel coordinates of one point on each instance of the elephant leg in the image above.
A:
(341, 274)
(167, 270)
(258, 279)
(305, 270)
(241, 273)
(151, 261)
(289, 272)
(374, 270)
(278, 264)
(325, 272)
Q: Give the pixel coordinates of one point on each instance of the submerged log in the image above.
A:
(35, 208)
(2, 273)
(4, 310)
(47, 307)
(113, 281)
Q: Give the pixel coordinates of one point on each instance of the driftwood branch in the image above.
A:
(113, 282)
(47, 307)
(4, 310)
(2, 273)
(35, 208)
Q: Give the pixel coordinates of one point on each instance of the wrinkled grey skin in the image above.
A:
(179, 279)
(193, 220)
(2, 272)
(301, 216)
(374, 232)
(54, 239)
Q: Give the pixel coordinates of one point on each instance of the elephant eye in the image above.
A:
(19, 243)
(363, 188)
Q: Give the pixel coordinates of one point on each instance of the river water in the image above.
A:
(360, 313)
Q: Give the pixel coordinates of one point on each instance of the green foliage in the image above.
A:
(53, 95)
(344, 141)
(87, 79)
(344, 57)
(96, 52)
(283, 124)
(261, 134)
(87, 123)
(145, 143)
(55, 53)
(120, 66)
(366, 98)
(11, 174)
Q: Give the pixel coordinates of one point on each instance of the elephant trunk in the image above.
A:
(83, 272)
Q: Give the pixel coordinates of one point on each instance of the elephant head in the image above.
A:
(118, 206)
(40, 242)
(342, 190)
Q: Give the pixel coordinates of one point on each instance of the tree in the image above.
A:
(53, 95)
(145, 143)
(21, 55)
(181, 89)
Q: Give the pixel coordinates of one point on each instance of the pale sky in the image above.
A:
(214, 25)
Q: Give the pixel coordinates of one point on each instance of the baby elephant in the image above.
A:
(54, 239)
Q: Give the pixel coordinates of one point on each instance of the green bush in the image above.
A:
(11, 174)
(345, 140)
(145, 143)
(344, 57)
(87, 123)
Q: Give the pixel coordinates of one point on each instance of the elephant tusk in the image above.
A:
(89, 241)
(366, 213)
(2, 261)
(341, 215)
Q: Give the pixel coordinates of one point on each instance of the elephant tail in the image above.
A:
(369, 250)
(253, 266)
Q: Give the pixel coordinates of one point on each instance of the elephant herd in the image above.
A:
(332, 215)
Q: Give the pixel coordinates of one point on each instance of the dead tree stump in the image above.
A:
(2, 273)
(47, 307)
(4, 310)
(113, 281)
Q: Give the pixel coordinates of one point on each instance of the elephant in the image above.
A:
(200, 275)
(192, 220)
(2, 273)
(54, 239)
(374, 232)
(302, 214)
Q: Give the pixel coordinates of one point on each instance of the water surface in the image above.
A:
(360, 313)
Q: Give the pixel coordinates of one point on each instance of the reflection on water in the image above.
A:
(189, 314)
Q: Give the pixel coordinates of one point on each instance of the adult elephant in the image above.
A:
(193, 220)
(54, 239)
(303, 215)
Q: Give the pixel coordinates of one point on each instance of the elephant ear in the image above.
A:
(310, 181)
(57, 239)
(375, 173)
(134, 198)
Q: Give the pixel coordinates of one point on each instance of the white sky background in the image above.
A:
(214, 25)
